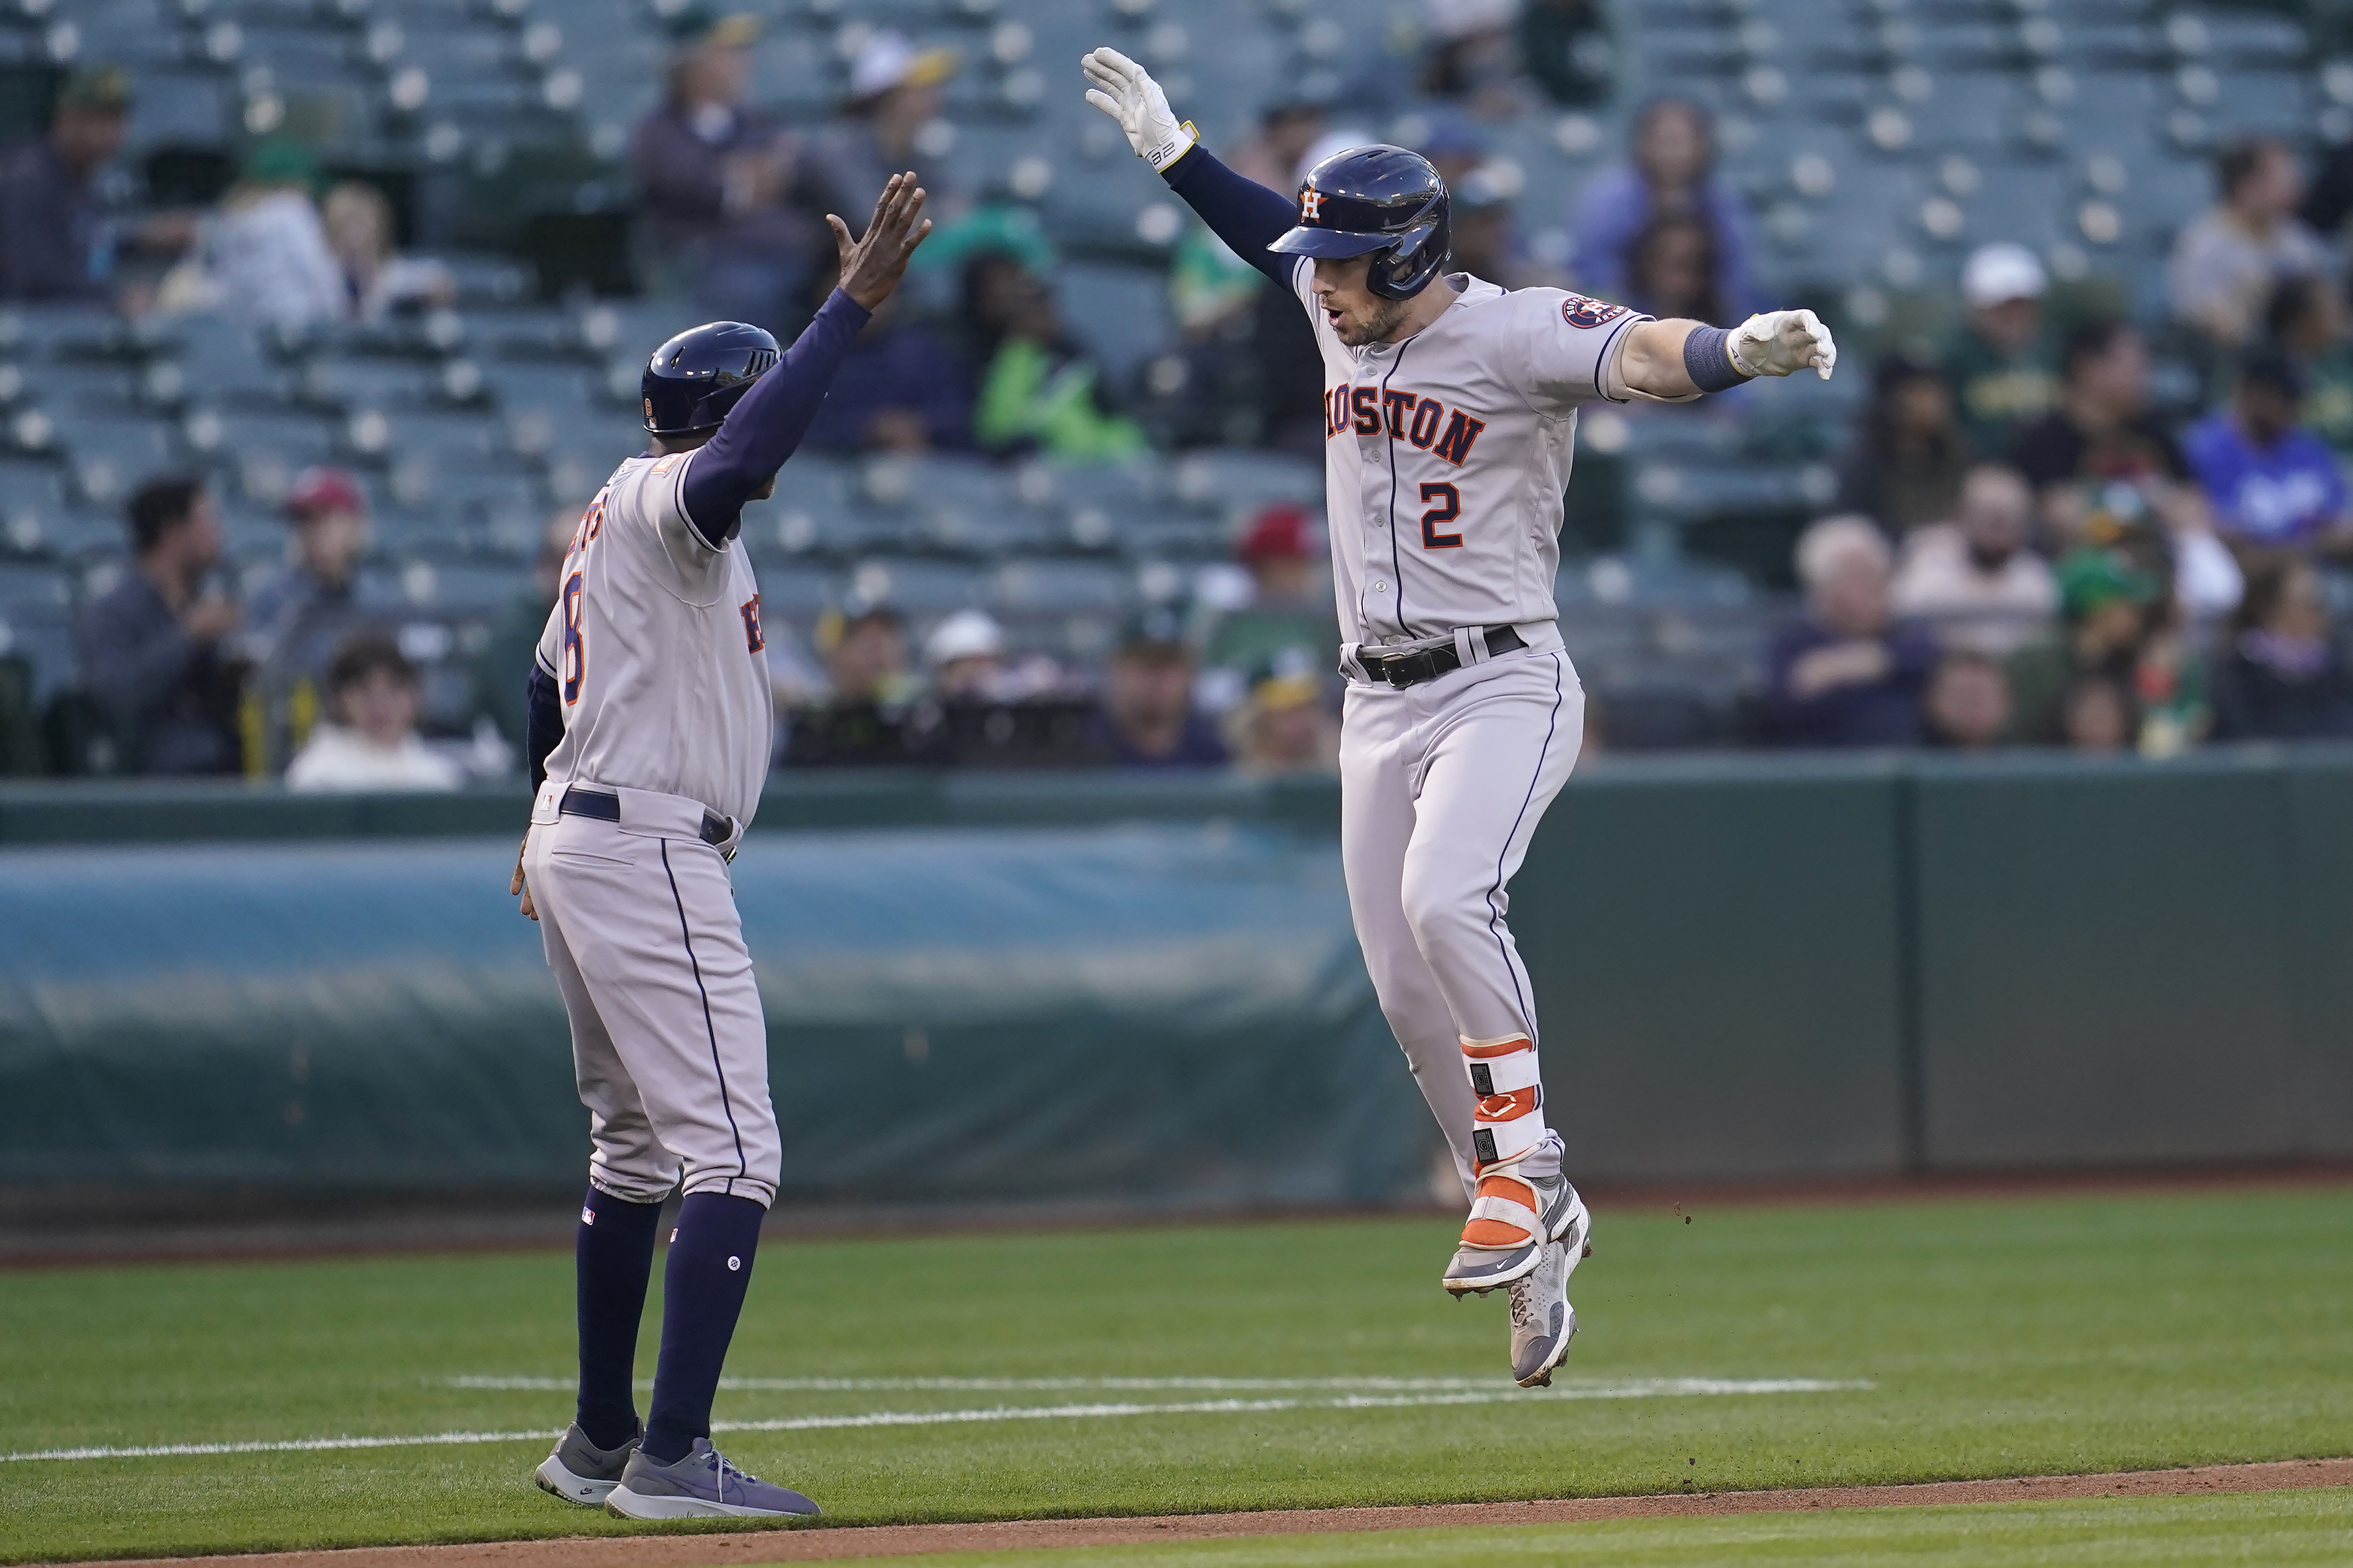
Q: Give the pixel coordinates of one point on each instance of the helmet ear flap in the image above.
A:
(1400, 272)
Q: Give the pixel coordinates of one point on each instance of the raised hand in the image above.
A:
(1783, 342)
(1126, 91)
(872, 264)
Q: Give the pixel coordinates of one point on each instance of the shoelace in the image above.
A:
(1523, 1308)
(720, 1463)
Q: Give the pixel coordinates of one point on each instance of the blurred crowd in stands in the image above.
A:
(2027, 544)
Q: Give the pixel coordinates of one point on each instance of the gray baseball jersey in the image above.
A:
(1446, 455)
(656, 649)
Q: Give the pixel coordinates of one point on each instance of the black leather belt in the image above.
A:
(596, 803)
(1414, 666)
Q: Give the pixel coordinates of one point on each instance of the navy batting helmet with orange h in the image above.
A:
(1380, 201)
(695, 378)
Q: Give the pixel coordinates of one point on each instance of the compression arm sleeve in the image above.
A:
(761, 431)
(544, 726)
(1244, 214)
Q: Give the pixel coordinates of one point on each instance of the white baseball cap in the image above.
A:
(967, 634)
(887, 60)
(1997, 274)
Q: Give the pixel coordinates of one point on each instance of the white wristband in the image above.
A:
(1162, 153)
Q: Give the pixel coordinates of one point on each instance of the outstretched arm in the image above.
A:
(764, 427)
(1675, 361)
(1239, 211)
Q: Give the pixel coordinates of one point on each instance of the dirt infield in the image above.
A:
(821, 1545)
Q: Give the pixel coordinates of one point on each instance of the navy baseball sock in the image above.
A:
(710, 1267)
(613, 1257)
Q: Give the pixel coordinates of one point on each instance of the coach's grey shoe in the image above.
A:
(1511, 1219)
(580, 1471)
(703, 1484)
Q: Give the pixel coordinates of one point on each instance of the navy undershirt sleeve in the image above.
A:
(1238, 210)
(761, 431)
(545, 724)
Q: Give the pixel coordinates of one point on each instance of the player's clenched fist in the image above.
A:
(1126, 91)
(872, 264)
(1783, 342)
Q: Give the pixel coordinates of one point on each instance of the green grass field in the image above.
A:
(1305, 1364)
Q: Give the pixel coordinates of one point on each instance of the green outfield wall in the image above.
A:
(1106, 988)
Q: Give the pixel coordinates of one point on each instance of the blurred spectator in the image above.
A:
(1039, 392)
(1286, 604)
(151, 649)
(307, 607)
(967, 655)
(1147, 719)
(2121, 627)
(2226, 262)
(2282, 676)
(1849, 674)
(1671, 269)
(1671, 174)
(378, 281)
(1974, 579)
(894, 92)
(1966, 706)
(1565, 46)
(52, 246)
(1474, 54)
(866, 659)
(899, 387)
(2102, 437)
(2306, 323)
(1486, 236)
(2096, 715)
(2001, 361)
(1282, 726)
(1909, 456)
(502, 668)
(725, 184)
(1276, 157)
(369, 741)
(2270, 481)
(1454, 145)
(268, 253)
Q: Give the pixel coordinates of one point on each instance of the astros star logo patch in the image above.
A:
(1310, 205)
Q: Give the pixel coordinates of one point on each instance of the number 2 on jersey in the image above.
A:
(1448, 508)
(575, 652)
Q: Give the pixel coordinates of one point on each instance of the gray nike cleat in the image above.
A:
(703, 1484)
(1511, 1219)
(1543, 1323)
(580, 1471)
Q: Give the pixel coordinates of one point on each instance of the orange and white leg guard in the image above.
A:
(1509, 1121)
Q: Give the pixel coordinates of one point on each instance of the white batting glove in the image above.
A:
(1783, 342)
(1126, 91)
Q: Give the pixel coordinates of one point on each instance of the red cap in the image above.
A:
(324, 489)
(1278, 533)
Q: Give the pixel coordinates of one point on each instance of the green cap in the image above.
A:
(2091, 578)
(103, 87)
(282, 161)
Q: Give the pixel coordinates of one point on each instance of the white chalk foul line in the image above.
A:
(1631, 1388)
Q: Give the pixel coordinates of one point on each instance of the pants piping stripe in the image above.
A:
(1494, 915)
(726, 1103)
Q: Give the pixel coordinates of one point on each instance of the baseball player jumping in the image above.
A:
(650, 734)
(1450, 416)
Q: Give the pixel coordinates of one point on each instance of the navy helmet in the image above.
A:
(1381, 201)
(695, 378)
